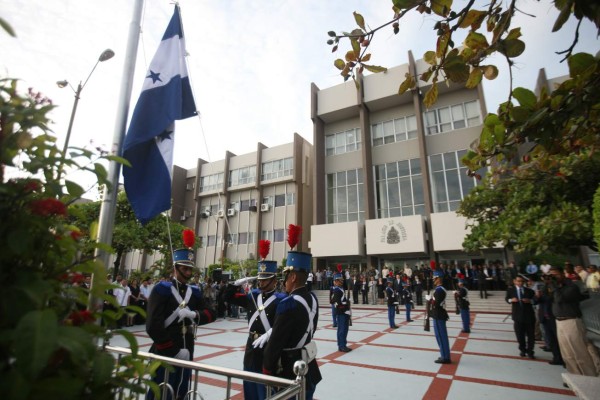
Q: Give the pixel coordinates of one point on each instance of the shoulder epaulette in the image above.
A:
(163, 288)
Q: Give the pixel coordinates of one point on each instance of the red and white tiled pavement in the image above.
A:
(397, 363)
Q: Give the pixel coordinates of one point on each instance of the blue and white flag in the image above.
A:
(166, 96)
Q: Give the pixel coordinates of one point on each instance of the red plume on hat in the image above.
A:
(294, 232)
(339, 267)
(264, 246)
(432, 264)
(189, 238)
(460, 275)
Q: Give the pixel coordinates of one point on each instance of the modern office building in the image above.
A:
(387, 171)
(233, 203)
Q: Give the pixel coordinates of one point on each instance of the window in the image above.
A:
(243, 238)
(345, 196)
(232, 238)
(266, 235)
(454, 117)
(279, 235)
(450, 181)
(399, 189)
(277, 169)
(395, 130)
(212, 240)
(245, 204)
(280, 200)
(211, 182)
(242, 176)
(290, 199)
(343, 142)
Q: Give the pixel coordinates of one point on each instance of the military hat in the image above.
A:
(184, 257)
(390, 279)
(267, 269)
(438, 273)
(338, 277)
(298, 261)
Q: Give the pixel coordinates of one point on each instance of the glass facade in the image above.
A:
(242, 176)
(457, 116)
(277, 169)
(399, 187)
(211, 182)
(345, 196)
(395, 130)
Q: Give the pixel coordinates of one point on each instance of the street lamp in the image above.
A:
(106, 55)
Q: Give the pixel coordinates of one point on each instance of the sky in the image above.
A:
(251, 63)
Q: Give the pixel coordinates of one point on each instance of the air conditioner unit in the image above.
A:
(230, 212)
(183, 217)
(265, 207)
(204, 214)
(189, 186)
(207, 211)
(221, 213)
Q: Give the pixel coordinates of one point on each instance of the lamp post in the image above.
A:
(106, 55)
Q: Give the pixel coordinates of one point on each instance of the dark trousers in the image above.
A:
(525, 332)
(441, 336)
(552, 338)
(465, 316)
(179, 379)
(392, 315)
(342, 330)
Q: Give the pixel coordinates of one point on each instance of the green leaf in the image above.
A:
(35, 341)
(409, 83)
(474, 18)
(74, 189)
(442, 44)
(355, 46)
(100, 172)
(402, 4)
(375, 68)
(351, 56)
(103, 367)
(476, 41)
(441, 7)
(118, 159)
(360, 21)
(474, 78)
(431, 96)
(580, 62)
(563, 16)
(520, 114)
(514, 33)
(513, 47)
(331, 33)
(430, 58)
(339, 64)
(6, 26)
(525, 97)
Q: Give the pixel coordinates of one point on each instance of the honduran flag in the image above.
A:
(166, 96)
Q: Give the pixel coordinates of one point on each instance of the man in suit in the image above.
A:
(522, 299)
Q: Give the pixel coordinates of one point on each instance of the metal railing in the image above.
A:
(286, 387)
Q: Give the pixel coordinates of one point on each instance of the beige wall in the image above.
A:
(396, 235)
(343, 239)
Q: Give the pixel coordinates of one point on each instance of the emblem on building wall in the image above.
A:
(393, 233)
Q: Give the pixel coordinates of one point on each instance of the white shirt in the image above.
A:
(145, 291)
(122, 294)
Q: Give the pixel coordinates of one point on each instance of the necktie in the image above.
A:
(519, 294)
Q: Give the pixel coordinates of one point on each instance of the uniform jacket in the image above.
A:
(291, 323)
(168, 340)
(392, 296)
(253, 358)
(339, 300)
(438, 310)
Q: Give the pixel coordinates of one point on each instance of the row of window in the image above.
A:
(275, 236)
(399, 188)
(278, 200)
(245, 175)
(438, 120)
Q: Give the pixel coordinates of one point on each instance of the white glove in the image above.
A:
(184, 354)
(241, 281)
(427, 297)
(261, 341)
(186, 313)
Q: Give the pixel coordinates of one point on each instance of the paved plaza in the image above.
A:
(397, 363)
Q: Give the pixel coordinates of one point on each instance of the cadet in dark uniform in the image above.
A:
(175, 309)
(407, 299)
(295, 324)
(261, 305)
(342, 312)
(392, 302)
(440, 316)
(462, 296)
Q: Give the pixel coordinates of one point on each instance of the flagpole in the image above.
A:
(109, 199)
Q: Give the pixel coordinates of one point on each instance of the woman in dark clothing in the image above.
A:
(380, 291)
